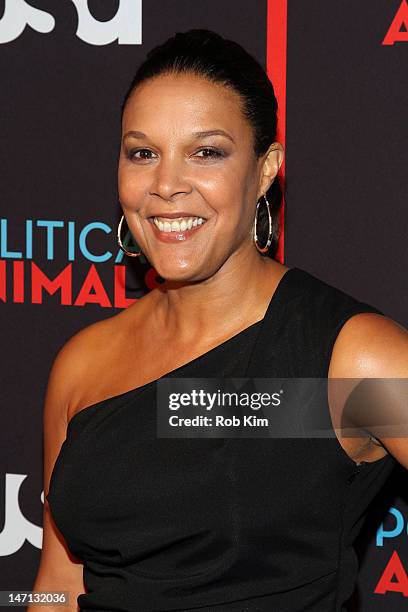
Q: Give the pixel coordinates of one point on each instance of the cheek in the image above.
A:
(129, 187)
(221, 188)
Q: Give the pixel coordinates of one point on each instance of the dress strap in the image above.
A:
(288, 287)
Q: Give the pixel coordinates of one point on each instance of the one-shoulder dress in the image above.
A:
(220, 524)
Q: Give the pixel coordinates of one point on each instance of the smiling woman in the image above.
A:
(134, 521)
(202, 125)
(191, 169)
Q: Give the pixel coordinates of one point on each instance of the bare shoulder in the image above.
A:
(89, 351)
(370, 345)
(74, 360)
(373, 346)
(95, 349)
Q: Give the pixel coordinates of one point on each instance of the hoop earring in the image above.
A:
(119, 231)
(265, 248)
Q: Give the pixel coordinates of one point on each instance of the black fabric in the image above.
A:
(222, 524)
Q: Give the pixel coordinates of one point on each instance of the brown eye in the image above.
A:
(132, 153)
(212, 152)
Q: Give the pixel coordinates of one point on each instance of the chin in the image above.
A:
(177, 274)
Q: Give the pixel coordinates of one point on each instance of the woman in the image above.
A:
(135, 522)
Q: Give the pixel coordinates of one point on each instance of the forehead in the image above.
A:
(182, 103)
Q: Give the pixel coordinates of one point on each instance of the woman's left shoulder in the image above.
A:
(370, 345)
(373, 346)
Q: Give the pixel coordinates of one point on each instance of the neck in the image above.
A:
(236, 296)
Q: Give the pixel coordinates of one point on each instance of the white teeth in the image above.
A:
(180, 225)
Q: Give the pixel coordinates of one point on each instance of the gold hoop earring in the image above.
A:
(265, 248)
(119, 231)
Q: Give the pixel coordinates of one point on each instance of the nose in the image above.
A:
(168, 179)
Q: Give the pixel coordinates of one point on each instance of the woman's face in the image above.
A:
(173, 166)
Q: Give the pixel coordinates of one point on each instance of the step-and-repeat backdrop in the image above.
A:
(339, 70)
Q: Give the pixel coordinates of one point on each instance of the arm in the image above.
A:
(58, 569)
(371, 346)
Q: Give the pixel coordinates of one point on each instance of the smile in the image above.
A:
(170, 230)
(177, 225)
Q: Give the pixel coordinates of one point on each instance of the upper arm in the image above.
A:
(372, 346)
(58, 568)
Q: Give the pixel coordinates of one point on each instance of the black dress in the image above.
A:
(219, 524)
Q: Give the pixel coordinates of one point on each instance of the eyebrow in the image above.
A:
(204, 134)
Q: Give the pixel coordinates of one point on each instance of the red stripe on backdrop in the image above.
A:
(276, 44)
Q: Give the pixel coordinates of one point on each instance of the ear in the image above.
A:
(270, 164)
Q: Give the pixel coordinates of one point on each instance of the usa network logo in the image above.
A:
(125, 26)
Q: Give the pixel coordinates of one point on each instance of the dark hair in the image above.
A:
(217, 59)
